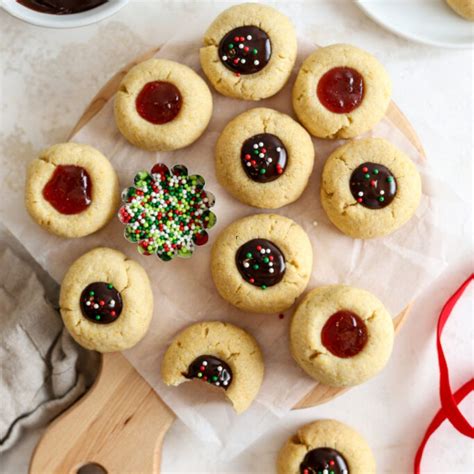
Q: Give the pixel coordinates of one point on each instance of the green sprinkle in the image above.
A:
(264, 287)
(367, 176)
(390, 179)
(231, 45)
(248, 255)
(255, 51)
(376, 171)
(110, 286)
(91, 293)
(256, 266)
(199, 374)
(97, 317)
(263, 171)
(214, 378)
(266, 259)
(256, 152)
(381, 199)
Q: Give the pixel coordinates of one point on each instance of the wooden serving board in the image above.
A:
(121, 422)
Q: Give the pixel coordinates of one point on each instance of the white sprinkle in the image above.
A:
(270, 160)
(255, 146)
(382, 192)
(246, 264)
(360, 193)
(112, 304)
(268, 250)
(262, 251)
(270, 264)
(260, 144)
(219, 368)
(226, 383)
(248, 163)
(204, 363)
(271, 270)
(241, 46)
(261, 155)
(243, 61)
(88, 303)
(217, 383)
(96, 306)
(278, 148)
(224, 58)
(256, 62)
(249, 37)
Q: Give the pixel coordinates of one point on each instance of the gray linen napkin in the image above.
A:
(43, 371)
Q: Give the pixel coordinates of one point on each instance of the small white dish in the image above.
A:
(424, 21)
(63, 21)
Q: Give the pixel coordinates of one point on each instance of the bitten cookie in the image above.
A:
(162, 105)
(106, 301)
(341, 336)
(264, 158)
(220, 354)
(326, 446)
(464, 8)
(262, 263)
(369, 188)
(340, 92)
(71, 190)
(249, 51)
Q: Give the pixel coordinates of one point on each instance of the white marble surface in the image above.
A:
(48, 78)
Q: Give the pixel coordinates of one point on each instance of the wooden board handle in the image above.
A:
(119, 424)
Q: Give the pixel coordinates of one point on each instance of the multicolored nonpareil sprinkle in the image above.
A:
(167, 212)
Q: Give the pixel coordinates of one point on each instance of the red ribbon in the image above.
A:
(449, 401)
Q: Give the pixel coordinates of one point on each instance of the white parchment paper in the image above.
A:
(395, 268)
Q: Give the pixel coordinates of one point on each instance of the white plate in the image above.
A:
(63, 21)
(425, 21)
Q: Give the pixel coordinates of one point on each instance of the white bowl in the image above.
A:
(63, 21)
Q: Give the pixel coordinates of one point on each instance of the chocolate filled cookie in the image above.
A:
(340, 92)
(369, 188)
(249, 51)
(106, 301)
(71, 190)
(262, 263)
(162, 105)
(341, 336)
(326, 447)
(264, 158)
(219, 354)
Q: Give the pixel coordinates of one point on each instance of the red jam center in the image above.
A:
(69, 189)
(159, 102)
(344, 334)
(341, 90)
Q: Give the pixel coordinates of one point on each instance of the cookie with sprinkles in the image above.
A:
(326, 447)
(249, 51)
(167, 212)
(369, 188)
(250, 263)
(106, 301)
(220, 354)
(264, 158)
